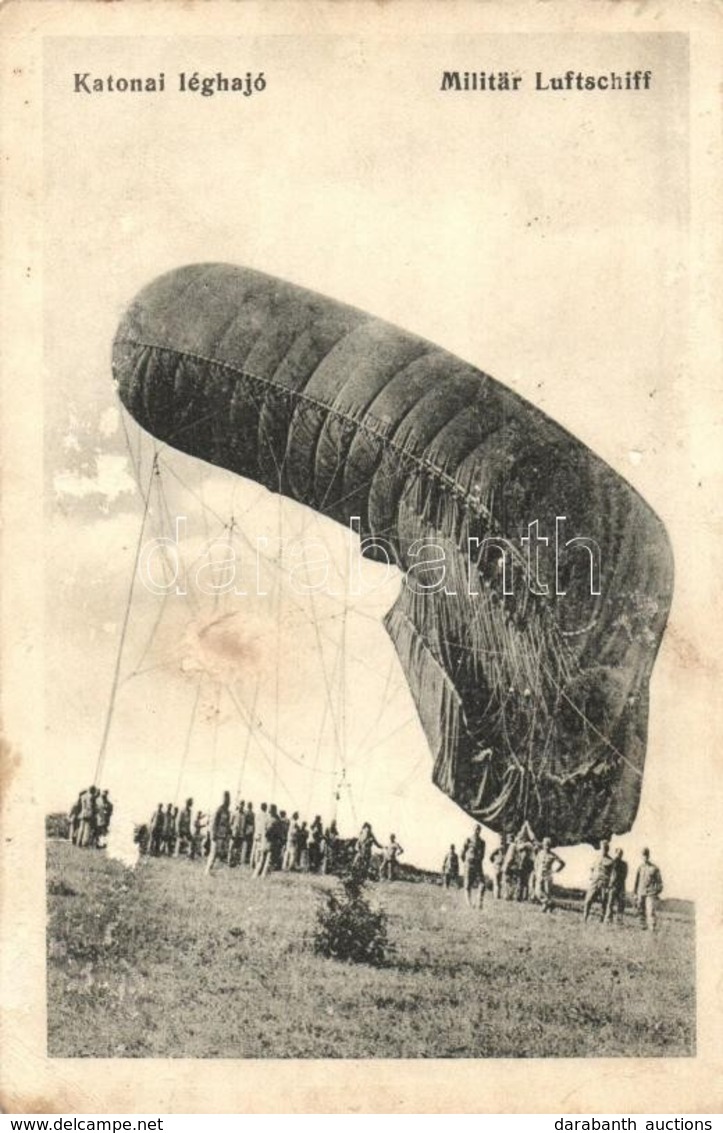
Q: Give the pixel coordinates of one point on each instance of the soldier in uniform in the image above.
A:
(260, 824)
(271, 831)
(510, 870)
(185, 829)
(261, 846)
(547, 863)
(248, 836)
(365, 843)
(450, 869)
(237, 835)
(390, 858)
(220, 832)
(648, 887)
(473, 854)
(331, 843)
(105, 813)
(521, 864)
(280, 831)
(74, 819)
(155, 831)
(88, 817)
(172, 834)
(291, 850)
(304, 847)
(277, 833)
(316, 837)
(615, 907)
(599, 882)
(197, 840)
(525, 871)
(497, 858)
(167, 828)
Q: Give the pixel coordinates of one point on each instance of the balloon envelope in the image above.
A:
(537, 582)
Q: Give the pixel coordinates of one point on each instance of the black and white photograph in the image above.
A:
(363, 564)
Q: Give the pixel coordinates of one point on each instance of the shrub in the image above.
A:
(57, 825)
(347, 927)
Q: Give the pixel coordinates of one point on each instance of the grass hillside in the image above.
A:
(163, 961)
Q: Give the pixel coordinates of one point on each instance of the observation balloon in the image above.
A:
(536, 581)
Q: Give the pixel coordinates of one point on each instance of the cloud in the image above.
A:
(111, 480)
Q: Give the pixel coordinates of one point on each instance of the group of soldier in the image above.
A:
(89, 819)
(270, 839)
(171, 832)
(524, 868)
(265, 840)
(607, 887)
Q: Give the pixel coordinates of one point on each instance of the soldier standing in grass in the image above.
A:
(248, 835)
(599, 882)
(264, 840)
(155, 831)
(280, 844)
(185, 829)
(363, 850)
(547, 863)
(510, 870)
(291, 850)
(522, 864)
(390, 859)
(331, 845)
(275, 839)
(173, 833)
(280, 833)
(74, 819)
(450, 869)
(197, 840)
(167, 827)
(316, 837)
(105, 813)
(272, 845)
(497, 858)
(304, 847)
(237, 835)
(88, 817)
(259, 835)
(473, 855)
(648, 887)
(526, 872)
(615, 907)
(220, 832)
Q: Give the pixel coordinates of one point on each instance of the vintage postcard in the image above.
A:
(361, 504)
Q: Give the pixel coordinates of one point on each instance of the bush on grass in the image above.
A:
(347, 927)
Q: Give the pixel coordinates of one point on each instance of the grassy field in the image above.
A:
(162, 961)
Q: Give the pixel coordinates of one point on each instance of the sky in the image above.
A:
(545, 242)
